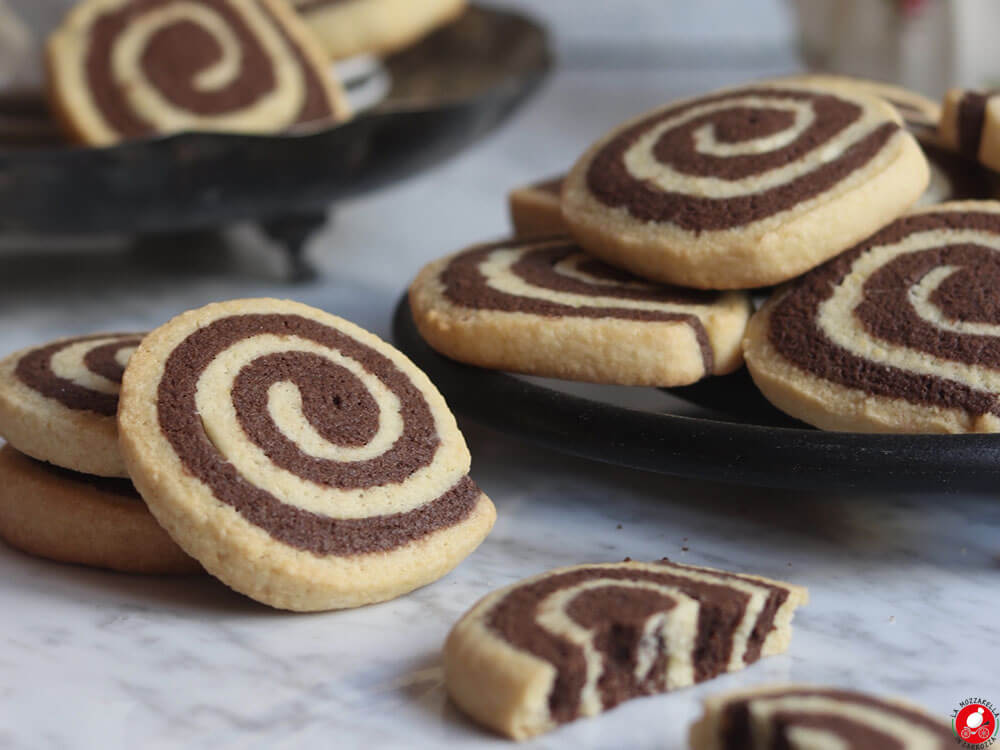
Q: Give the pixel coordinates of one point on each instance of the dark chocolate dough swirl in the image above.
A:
(34, 369)
(176, 53)
(337, 405)
(886, 313)
(538, 267)
(737, 117)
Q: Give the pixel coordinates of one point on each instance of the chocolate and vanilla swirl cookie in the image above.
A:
(970, 123)
(544, 307)
(354, 27)
(804, 717)
(535, 209)
(745, 187)
(78, 518)
(130, 68)
(577, 641)
(302, 460)
(58, 401)
(899, 334)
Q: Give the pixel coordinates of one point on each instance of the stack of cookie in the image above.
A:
(637, 267)
(296, 457)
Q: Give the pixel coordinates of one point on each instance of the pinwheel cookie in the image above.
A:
(299, 458)
(815, 718)
(535, 209)
(544, 307)
(970, 123)
(77, 518)
(353, 27)
(577, 641)
(745, 187)
(899, 334)
(58, 401)
(129, 68)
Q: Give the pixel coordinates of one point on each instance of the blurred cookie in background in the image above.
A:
(346, 28)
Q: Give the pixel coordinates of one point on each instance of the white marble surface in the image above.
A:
(904, 588)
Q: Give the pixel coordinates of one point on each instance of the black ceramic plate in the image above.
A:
(720, 429)
(446, 91)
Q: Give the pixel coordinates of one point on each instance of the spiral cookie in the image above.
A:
(802, 717)
(302, 460)
(535, 210)
(970, 123)
(58, 402)
(745, 187)
(353, 27)
(580, 640)
(899, 334)
(76, 518)
(130, 68)
(544, 307)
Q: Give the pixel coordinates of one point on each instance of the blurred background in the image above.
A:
(614, 60)
(924, 44)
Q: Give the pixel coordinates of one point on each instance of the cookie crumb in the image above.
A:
(619, 526)
(684, 549)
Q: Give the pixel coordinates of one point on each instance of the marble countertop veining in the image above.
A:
(904, 588)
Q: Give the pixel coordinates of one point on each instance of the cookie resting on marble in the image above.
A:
(807, 717)
(544, 307)
(745, 187)
(77, 518)
(58, 401)
(303, 461)
(577, 641)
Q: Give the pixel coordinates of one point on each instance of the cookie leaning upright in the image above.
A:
(130, 68)
(302, 460)
(899, 334)
(970, 123)
(544, 307)
(743, 188)
(58, 401)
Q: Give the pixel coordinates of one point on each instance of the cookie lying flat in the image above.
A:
(814, 718)
(76, 518)
(970, 123)
(745, 187)
(302, 460)
(544, 307)
(353, 27)
(58, 401)
(130, 68)
(577, 641)
(899, 334)
(535, 210)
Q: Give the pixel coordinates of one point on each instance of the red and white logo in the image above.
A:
(975, 723)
